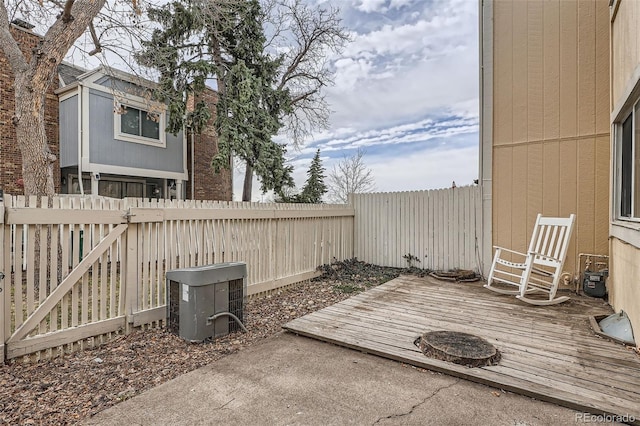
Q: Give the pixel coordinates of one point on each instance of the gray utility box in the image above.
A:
(196, 294)
(594, 283)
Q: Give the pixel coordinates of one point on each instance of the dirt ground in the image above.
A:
(67, 389)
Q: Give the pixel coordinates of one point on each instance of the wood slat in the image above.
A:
(563, 372)
(29, 215)
(437, 226)
(282, 244)
(549, 354)
(18, 254)
(66, 285)
(63, 337)
(220, 214)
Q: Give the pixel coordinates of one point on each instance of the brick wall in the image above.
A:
(10, 158)
(208, 185)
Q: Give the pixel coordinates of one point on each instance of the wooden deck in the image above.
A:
(549, 353)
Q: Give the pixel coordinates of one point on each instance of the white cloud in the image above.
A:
(371, 6)
(407, 91)
(417, 132)
(349, 71)
(404, 38)
(398, 4)
(427, 169)
(428, 86)
(406, 68)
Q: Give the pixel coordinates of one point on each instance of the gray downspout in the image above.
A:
(486, 130)
(80, 137)
(193, 162)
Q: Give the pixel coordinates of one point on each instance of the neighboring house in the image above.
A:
(112, 134)
(115, 138)
(550, 93)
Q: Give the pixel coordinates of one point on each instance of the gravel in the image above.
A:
(67, 389)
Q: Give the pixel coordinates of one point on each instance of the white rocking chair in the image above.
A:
(541, 267)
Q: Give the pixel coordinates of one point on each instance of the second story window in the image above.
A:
(136, 124)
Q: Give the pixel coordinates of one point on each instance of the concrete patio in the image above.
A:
(291, 380)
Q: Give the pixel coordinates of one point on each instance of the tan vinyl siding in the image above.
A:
(623, 284)
(551, 120)
(625, 55)
(551, 60)
(624, 291)
(568, 69)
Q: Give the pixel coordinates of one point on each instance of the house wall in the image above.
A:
(206, 184)
(105, 149)
(550, 128)
(624, 280)
(69, 132)
(624, 289)
(10, 157)
(625, 52)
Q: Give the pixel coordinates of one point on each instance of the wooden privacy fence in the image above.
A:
(78, 269)
(441, 228)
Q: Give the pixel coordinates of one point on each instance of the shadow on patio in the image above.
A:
(549, 353)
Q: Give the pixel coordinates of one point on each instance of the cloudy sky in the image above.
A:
(406, 91)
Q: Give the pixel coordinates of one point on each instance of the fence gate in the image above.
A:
(78, 269)
(61, 275)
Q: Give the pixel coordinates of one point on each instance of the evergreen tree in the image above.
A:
(250, 107)
(314, 188)
(201, 39)
(287, 194)
(225, 39)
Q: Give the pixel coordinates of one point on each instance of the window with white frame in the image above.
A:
(120, 188)
(628, 166)
(134, 123)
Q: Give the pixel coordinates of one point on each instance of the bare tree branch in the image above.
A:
(350, 175)
(96, 41)
(306, 36)
(9, 45)
(66, 12)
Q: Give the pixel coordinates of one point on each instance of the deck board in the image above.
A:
(549, 353)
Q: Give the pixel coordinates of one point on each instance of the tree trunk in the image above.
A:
(248, 183)
(33, 75)
(37, 159)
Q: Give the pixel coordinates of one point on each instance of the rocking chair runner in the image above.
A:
(541, 267)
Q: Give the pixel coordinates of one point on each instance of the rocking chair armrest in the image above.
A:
(510, 251)
(533, 253)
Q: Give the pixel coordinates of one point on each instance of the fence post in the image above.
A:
(131, 273)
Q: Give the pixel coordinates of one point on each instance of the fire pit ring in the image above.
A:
(459, 348)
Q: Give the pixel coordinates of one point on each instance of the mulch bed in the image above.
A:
(72, 387)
